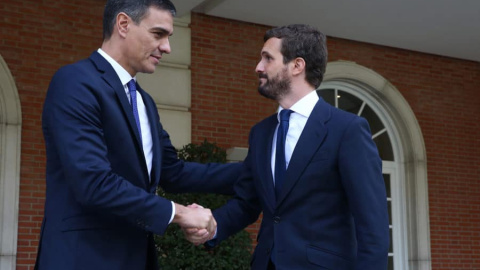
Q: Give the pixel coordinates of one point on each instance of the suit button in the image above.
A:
(276, 219)
(267, 251)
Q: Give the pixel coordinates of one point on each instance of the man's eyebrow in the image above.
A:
(265, 53)
(161, 30)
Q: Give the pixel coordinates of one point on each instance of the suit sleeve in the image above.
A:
(179, 177)
(361, 173)
(244, 207)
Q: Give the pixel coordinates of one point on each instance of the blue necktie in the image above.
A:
(133, 97)
(280, 163)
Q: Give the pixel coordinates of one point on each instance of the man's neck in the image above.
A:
(297, 92)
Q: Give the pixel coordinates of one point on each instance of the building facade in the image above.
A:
(424, 111)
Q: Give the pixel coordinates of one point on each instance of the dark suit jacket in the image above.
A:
(101, 208)
(332, 211)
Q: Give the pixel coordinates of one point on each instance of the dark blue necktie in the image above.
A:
(133, 97)
(280, 163)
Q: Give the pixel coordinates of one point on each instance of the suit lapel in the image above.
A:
(308, 144)
(264, 159)
(111, 78)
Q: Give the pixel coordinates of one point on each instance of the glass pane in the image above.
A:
(328, 95)
(390, 263)
(373, 120)
(390, 249)
(389, 204)
(348, 102)
(384, 146)
(386, 177)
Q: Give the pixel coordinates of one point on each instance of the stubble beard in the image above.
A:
(276, 87)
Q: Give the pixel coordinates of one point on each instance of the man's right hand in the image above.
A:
(196, 220)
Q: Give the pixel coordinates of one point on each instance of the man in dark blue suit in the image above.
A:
(107, 152)
(320, 187)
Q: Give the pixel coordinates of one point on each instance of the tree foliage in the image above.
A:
(175, 252)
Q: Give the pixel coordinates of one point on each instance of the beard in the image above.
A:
(276, 87)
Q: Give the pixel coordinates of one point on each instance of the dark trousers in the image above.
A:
(270, 266)
(151, 254)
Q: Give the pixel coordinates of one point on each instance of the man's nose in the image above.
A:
(259, 68)
(164, 46)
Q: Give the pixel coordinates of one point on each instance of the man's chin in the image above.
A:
(148, 70)
(262, 91)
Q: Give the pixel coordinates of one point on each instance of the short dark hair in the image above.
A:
(136, 9)
(300, 40)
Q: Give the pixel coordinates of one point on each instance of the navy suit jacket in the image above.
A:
(101, 205)
(332, 210)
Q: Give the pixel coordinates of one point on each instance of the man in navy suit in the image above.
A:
(326, 208)
(107, 152)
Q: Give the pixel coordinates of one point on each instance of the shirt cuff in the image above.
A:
(173, 213)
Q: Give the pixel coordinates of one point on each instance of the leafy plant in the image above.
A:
(175, 252)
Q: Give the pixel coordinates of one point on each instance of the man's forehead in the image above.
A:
(159, 19)
(272, 46)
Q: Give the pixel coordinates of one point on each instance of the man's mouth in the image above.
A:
(157, 58)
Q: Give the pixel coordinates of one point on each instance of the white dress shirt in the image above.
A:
(298, 119)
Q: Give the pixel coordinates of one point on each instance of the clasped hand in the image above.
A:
(197, 223)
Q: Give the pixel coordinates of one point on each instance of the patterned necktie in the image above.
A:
(133, 97)
(280, 163)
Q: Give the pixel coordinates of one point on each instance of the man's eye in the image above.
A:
(159, 34)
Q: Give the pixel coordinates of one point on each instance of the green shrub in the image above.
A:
(175, 252)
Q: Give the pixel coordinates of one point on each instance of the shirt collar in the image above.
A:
(124, 76)
(304, 106)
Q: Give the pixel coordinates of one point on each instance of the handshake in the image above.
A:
(197, 223)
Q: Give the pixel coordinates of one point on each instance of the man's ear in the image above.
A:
(298, 65)
(122, 24)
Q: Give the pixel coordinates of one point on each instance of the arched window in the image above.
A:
(10, 127)
(397, 135)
